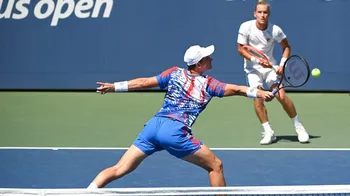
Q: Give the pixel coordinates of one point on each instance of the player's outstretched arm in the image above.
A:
(135, 84)
(231, 90)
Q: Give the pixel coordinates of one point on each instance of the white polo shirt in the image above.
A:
(264, 41)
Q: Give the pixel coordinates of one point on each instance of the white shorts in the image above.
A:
(261, 77)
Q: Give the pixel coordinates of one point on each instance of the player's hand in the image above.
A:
(265, 64)
(265, 95)
(104, 87)
(279, 70)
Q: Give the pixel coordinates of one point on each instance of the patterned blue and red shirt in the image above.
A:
(187, 94)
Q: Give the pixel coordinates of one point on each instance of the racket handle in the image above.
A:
(275, 91)
(273, 68)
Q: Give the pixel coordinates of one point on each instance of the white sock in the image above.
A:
(267, 127)
(296, 121)
(92, 186)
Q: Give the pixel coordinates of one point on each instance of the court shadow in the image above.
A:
(293, 138)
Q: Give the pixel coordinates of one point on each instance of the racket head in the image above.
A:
(296, 71)
(255, 52)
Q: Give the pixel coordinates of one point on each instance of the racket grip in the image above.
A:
(275, 91)
(273, 68)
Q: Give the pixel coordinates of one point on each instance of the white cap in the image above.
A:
(195, 53)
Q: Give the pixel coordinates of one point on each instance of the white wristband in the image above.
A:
(121, 86)
(283, 60)
(255, 60)
(252, 92)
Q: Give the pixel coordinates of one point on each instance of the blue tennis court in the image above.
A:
(75, 168)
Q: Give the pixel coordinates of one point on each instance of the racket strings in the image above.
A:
(296, 72)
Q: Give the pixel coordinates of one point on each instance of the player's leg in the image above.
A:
(129, 162)
(207, 160)
(255, 79)
(179, 142)
(285, 101)
(142, 147)
(288, 105)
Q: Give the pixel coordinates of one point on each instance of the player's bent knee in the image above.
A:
(122, 169)
(281, 96)
(217, 165)
(258, 103)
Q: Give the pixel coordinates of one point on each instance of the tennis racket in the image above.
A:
(257, 54)
(296, 72)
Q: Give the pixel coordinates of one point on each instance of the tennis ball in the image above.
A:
(316, 73)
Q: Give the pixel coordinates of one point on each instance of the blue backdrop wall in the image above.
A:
(60, 44)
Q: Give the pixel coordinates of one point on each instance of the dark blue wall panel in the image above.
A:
(143, 37)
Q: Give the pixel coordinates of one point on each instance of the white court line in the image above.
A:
(216, 149)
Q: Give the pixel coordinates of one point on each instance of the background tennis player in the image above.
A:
(262, 34)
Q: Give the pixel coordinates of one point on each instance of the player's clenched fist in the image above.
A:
(266, 95)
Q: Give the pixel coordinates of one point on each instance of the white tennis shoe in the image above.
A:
(268, 137)
(303, 136)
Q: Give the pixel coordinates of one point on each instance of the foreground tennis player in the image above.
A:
(189, 92)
